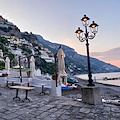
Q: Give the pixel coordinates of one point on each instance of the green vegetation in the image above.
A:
(6, 29)
(3, 40)
(40, 63)
(10, 55)
(2, 65)
(25, 49)
(4, 49)
(9, 28)
(44, 66)
(17, 29)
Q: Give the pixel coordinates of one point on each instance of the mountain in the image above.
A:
(14, 43)
(8, 28)
(77, 63)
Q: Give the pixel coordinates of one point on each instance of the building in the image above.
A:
(8, 37)
(46, 57)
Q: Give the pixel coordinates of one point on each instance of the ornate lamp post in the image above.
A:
(85, 37)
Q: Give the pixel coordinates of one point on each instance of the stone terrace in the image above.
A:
(45, 107)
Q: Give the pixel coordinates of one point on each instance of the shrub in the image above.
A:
(2, 65)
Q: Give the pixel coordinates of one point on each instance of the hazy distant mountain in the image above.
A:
(78, 63)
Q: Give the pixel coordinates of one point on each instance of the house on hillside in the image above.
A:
(24, 41)
(17, 52)
(16, 41)
(43, 53)
(46, 57)
(46, 50)
(5, 36)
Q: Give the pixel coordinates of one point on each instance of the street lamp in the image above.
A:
(86, 36)
(20, 65)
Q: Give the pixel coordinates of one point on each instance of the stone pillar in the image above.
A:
(91, 95)
(58, 90)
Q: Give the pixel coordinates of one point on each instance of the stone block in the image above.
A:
(91, 95)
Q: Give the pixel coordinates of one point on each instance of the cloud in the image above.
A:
(111, 55)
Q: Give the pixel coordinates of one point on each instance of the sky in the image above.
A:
(57, 21)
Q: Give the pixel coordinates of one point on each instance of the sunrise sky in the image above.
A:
(57, 21)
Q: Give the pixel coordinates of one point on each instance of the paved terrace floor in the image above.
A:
(45, 107)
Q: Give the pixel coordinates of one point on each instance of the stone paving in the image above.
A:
(45, 107)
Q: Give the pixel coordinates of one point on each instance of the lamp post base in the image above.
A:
(90, 81)
(91, 84)
(58, 91)
(91, 95)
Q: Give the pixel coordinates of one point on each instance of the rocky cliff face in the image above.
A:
(30, 37)
(10, 31)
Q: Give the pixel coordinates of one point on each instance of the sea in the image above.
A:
(105, 78)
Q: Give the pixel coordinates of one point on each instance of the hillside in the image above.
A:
(14, 43)
(9, 29)
(77, 63)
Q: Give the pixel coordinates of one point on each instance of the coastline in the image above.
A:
(83, 81)
(107, 92)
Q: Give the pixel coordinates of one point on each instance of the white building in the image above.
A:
(5, 36)
(43, 53)
(46, 57)
(23, 41)
(16, 41)
(17, 52)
